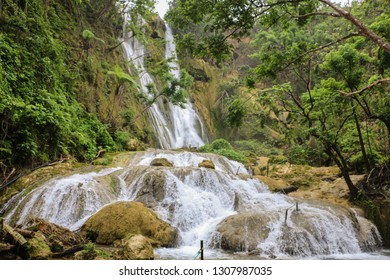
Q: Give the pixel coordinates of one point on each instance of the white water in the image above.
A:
(65, 201)
(174, 127)
(196, 200)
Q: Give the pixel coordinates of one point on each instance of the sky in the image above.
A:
(162, 7)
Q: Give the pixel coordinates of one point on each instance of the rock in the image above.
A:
(134, 145)
(207, 164)
(134, 247)
(161, 162)
(152, 182)
(118, 220)
(57, 237)
(38, 249)
(242, 232)
(287, 190)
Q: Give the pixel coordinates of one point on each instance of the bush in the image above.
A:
(121, 139)
(257, 148)
(223, 148)
(278, 159)
(298, 155)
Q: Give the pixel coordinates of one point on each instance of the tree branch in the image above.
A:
(322, 47)
(317, 14)
(348, 94)
(363, 30)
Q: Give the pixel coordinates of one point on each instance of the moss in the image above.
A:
(378, 211)
(38, 248)
(117, 220)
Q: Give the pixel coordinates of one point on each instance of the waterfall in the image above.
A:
(174, 127)
(188, 129)
(229, 211)
(214, 205)
(65, 201)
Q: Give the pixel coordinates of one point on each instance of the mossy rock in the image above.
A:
(134, 247)
(38, 249)
(118, 220)
(207, 164)
(161, 162)
(57, 237)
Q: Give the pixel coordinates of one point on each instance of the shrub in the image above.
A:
(223, 148)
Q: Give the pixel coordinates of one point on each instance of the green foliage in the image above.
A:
(122, 77)
(236, 112)
(89, 252)
(44, 79)
(223, 148)
(348, 64)
(257, 148)
(278, 159)
(121, 139)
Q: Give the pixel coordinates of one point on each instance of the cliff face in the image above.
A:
(65, 86)
(61, 84)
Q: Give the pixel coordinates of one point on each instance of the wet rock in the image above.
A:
(118, 220)
(243, 232)
(287, 190)
(161, 162)
(207, 164)
(152, 182)
(134, 247)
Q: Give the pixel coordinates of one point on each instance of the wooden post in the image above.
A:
(267, 167)
(201, 250)
(296, 206)
(285, 217)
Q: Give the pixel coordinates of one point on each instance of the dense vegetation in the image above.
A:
(315, 83)
(65, 89)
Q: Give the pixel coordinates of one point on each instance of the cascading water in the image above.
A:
(174, 127)
(65, 201)
(226, 210)
(188, 127)
(214, 205)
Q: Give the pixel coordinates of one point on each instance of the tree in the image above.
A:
(236, 18)
(320, 60)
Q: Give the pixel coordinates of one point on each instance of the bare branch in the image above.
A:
(366, 88)
(317, 14)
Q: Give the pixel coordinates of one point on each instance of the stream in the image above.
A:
(236, 216)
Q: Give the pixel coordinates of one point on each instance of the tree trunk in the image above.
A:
(105, 9)
(343, 166)
(361, 141)
(364, 30)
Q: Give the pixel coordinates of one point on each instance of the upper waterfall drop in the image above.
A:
(187, 125)
(174, 126)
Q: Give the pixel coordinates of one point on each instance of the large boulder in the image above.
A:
(243, 232)
(134, 247)
(118, 220)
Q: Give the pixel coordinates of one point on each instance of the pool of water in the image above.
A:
(191, 253)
